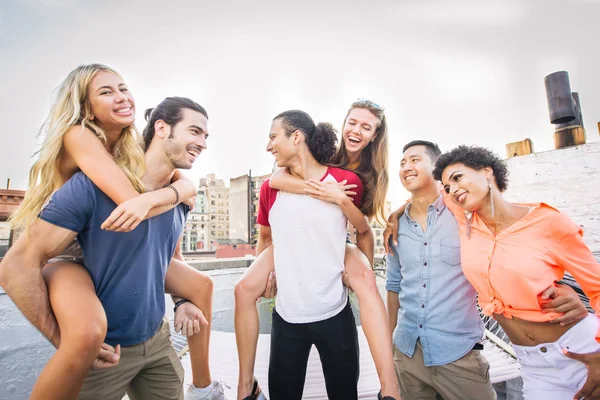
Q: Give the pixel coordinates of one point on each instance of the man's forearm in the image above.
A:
(366, 243)
(393, 305)
(24, 284)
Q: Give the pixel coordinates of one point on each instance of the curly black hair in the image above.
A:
(321, 139)
(476, 158)
(323, 143)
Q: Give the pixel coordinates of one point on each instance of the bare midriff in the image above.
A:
(529, 333)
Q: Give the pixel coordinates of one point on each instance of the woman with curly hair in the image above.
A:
(364, 151)
(511, 253)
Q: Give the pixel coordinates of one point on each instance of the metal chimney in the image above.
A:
(565, 111)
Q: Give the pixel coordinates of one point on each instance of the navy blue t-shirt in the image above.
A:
(128, 268)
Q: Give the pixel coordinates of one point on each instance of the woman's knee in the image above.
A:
(360, 274)
(204, 283)
(84, 339)
(242, 290)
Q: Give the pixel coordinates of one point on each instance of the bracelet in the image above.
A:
(180, 302)
(176, 194)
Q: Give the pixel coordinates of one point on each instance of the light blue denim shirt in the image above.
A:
(437, 303)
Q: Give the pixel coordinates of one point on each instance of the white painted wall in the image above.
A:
(568, 179)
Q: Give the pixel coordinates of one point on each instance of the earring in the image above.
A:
(491, 197)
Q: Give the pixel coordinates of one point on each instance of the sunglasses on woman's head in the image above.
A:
(368, 103)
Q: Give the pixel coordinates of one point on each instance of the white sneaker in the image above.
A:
(216, 392)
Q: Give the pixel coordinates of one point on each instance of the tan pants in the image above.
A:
(464, 379)
(150, 370)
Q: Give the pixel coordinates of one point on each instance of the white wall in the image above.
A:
(568, 179)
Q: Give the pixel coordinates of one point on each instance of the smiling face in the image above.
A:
(187, 139)
(359, 130)
(466, 186)
(280, 144)
(416, 169)
(111, 103)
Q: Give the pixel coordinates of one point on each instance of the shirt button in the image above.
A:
(424, 285)
(420, 325)
(425, 243)
(425, 263)
(422, 305)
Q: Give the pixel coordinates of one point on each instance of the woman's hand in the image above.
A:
(191, 203)
(331, 192)
(128, 215)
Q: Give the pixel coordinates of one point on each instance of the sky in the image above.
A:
(453, 72)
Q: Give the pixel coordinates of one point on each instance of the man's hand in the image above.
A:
(189, 319)
(271, 289)
(391, 230)
(563, 299)
(108, 357)
(591, 388)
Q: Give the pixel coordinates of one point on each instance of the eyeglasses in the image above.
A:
(369, 103)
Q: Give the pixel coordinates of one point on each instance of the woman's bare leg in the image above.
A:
(374, 318)
(249, 288)
(188, 283)
(82, 324)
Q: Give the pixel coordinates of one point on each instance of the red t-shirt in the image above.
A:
(268, 195)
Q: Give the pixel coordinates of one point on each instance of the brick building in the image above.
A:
(9, 201)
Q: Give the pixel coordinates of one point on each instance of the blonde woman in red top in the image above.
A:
(511, 253)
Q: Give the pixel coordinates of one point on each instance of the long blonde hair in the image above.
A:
(71, 108)
(373, 168)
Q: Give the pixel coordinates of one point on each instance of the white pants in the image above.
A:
(550, 375)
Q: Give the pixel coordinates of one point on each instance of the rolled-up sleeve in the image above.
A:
(576, 258)
(392, 282)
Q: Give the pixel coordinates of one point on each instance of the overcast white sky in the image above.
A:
(449, 71)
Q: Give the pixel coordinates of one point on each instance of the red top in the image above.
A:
(268, 195)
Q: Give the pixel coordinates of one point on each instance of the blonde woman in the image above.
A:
(90, 128)
(364, 151)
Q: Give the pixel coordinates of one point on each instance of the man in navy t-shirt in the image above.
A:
(128, 268)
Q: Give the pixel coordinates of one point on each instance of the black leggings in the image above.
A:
(336, 340)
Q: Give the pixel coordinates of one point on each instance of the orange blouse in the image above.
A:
(511, 269)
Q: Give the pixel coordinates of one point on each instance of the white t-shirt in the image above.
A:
(309, 237)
